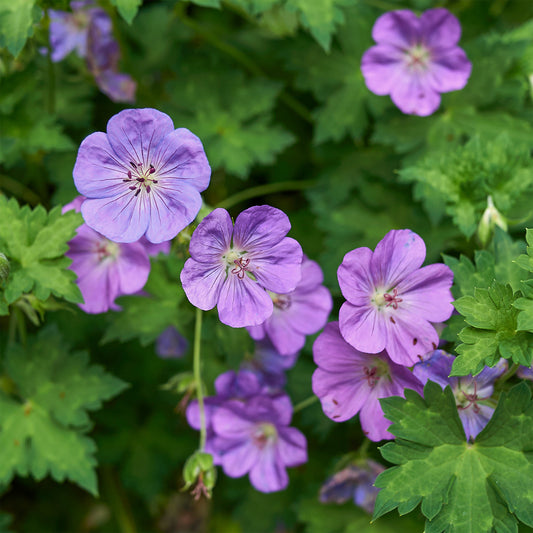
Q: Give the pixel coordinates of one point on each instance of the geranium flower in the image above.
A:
(392, 302)
(472, 394)
(171, 343)
(141, 178)
(356, 483)
(416, 59)
(350, 382)
(231, 267)
(255, 438)
(105, 269)
(302, 312)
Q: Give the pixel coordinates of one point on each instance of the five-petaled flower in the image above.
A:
(416, 59)
(472, 393)
(233, 267)
(391, 301)
(350, 382)
(141, 178)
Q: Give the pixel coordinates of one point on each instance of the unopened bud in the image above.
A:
(490, 219)
(4, 268)
(200, 472)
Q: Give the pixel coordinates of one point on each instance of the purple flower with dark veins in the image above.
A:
(141, 178)
(255, 438)
(302, 312)
(105, 269)
(348, 382)
(392, 301)
(171, 344)
(355, 482)
(472, 394)
(416, 59)
(234, 267)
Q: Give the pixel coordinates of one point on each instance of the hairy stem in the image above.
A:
(198, 377)
(305, 403)
(263, 190)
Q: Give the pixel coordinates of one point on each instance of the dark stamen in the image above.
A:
(133, 187)
(152, 169)
(129, 174)
(137, 193)
(148, 188)
(133, 164)
(154, 181)
(140, 180)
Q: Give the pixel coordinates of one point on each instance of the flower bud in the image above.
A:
(490, 219)
(200, 471)
(4, 268)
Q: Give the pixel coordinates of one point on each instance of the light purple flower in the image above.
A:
(525, 372)
(350, 382)
(255, 438)
(416, 59)
(472, 394)
(68, 31)
(392, 302)
(233, 267)
(154, 249)
(269, 366)
(171, 344)
(105, 269)
(355, 482)
(141, 178)
(301, 312)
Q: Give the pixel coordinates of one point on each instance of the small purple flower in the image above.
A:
(171, 344)
(525, 372)
(392, 302)
(472, 394)
(350, 382)
(269, 366)
(416, 59)
(301, 312)
(141, 178)
(105, 269)
(355, 482)
(233, 267)
(255, 438)
(68, 31)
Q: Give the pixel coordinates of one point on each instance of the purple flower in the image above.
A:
(105, 269)
(231, 267)
(269, 366)
(392, 302)
(155, 249)
(472, 394)
(141, 178)
(350, 382)
(68, 31)
(119, 87)
(301, 312)
(355, 482)
(416, 59)
(525, 372)
(255, 438)
(171, 344)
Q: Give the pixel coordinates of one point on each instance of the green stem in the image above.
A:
(305, 403)
(239, 56)
(16, 188)
(198, 376)
(51, 94)
(12, 328)
(263, 190)
(21, 324)
(117, 501)
(381, 4)
(507, 375)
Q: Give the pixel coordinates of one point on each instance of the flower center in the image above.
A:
(106, 249)
(141, 177)
(375, 371)
(417, 58)
(387, 299)
(280, 301)
(238, 263)
(465, 399)
(263, 434)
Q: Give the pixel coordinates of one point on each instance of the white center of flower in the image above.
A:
(264, 433)
(237, 263)
(417, 58)
(375, 371)
(141, 178)
(390, 298)
(280, 301)
(107, 249)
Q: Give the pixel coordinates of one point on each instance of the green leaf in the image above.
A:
(16, 21)
(493, 318)
(462, 488)
(35, 242)
(146, 317)
(42, 427)
(235, 122)
(127, 8)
